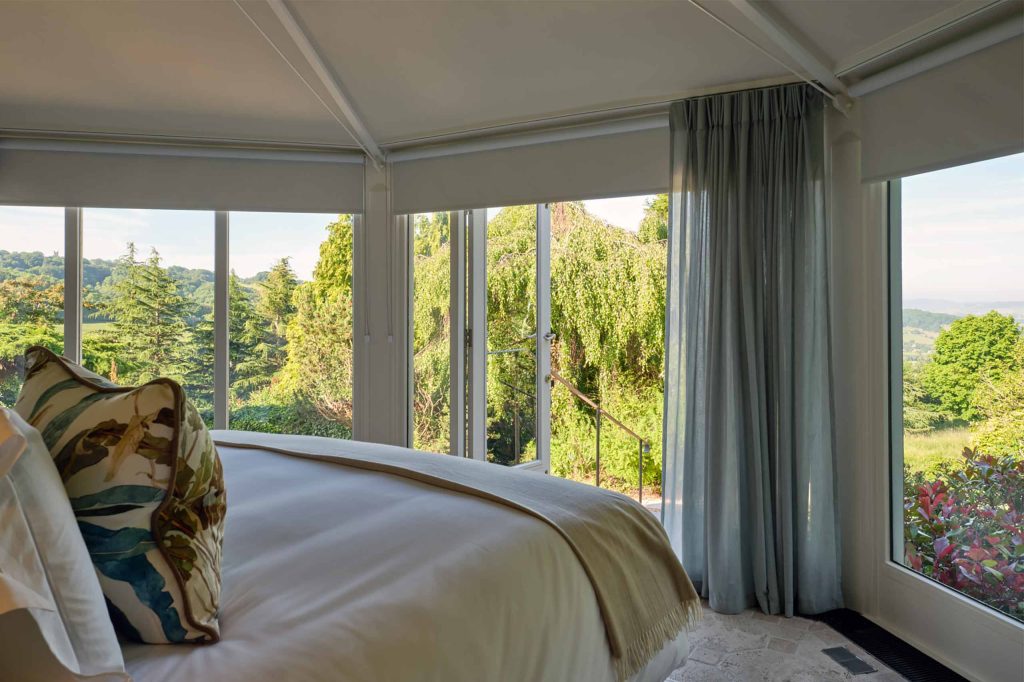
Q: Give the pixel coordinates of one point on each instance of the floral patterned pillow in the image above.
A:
(146, 485)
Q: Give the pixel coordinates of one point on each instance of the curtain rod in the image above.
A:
(177, 150)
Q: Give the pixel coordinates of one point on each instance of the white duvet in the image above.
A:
(338, 574)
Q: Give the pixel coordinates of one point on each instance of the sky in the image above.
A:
(186, 237)
(963, 233)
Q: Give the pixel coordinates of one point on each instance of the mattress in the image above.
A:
(338, 574)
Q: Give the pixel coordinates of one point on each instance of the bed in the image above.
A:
(336, 573)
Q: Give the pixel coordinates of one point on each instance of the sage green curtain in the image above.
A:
(749, 470)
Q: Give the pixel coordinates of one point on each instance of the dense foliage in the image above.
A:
(975, 361)
(964, 527)
(291, 341)
(607, 313)
(964, 516)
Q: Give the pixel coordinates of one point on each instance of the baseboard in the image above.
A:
(924, 648)
(891, 649)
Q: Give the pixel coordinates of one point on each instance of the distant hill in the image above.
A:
(96, 270)
(927, 320)
(194, 282)
(923, 322)
(961, 308)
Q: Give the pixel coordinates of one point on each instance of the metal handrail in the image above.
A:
(645, 446)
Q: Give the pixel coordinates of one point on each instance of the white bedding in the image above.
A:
(337, 574)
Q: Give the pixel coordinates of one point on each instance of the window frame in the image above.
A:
(894, 231)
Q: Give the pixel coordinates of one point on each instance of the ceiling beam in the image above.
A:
(783, 38)
(355, 124)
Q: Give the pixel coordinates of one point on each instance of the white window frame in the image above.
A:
(457, 333)
(476, 372)
(73, 284)
(909, 604)
(467, 245)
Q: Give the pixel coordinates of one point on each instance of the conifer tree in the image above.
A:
(149, 315)
(276, 306)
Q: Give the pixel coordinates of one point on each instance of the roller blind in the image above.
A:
(965, 111)
(120, 180)
(620, 164)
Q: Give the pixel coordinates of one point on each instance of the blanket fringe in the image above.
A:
(685, 615)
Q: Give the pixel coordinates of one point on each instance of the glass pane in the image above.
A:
(431, 331)
(291, 323)
(963, 379)
(511, 334)
(147, 298)
(31, 289)
(608, 256)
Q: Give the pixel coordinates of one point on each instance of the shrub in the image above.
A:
(295, 418)
(965, 528)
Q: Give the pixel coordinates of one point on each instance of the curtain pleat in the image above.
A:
(749, 489)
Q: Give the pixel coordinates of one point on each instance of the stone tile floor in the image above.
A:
(753, 646)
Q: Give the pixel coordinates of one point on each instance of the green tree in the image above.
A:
(431, 232)
(276, 306)
(431, 332)
(598, 272)
(921, 412)
(31, 299)
(149, 315)
(654, 224)
(971, 351)
(248, 369)
(1000, 401)
(15, 338)
(318, 368)
(251, 366)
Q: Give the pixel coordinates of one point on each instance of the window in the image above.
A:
(290, 323)
(608, 281)
(31, 289)
(957, 307)
(147, 298)
(431, 331)
(572, 268)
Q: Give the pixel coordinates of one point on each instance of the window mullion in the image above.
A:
(221, 320)
(73, 284)
(457, 341)
(477, 336)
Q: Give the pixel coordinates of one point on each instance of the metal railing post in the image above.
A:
(599, 414)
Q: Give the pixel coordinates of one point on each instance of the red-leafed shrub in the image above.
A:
(965, 528)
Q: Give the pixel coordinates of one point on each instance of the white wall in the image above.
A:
(971, 639)
(380, 357)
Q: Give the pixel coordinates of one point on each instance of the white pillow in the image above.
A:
(54, 624)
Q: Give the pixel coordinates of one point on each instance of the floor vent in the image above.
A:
(912, 664)
(847, 659)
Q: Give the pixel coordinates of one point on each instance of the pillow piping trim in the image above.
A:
(179, 399)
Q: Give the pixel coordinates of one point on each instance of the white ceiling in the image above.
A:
(412, 69)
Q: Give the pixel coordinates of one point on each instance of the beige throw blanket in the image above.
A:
(643, 593)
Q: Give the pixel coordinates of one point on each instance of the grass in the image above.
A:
(924, 451)
(92, 327)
